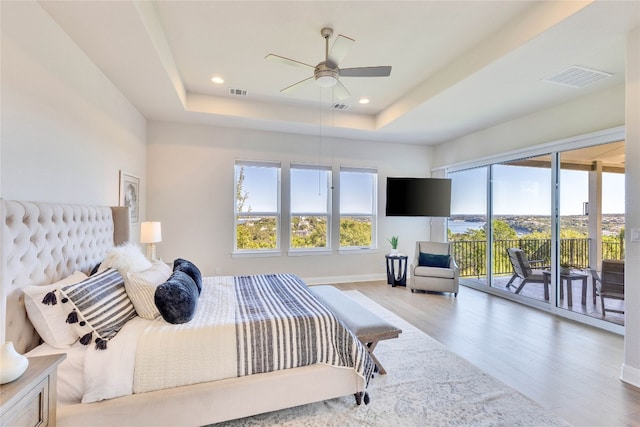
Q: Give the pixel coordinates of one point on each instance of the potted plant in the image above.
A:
(394, 244)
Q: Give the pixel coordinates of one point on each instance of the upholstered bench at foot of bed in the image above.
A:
(369, 328)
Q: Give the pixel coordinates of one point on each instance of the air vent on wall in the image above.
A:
(237, 92)
(339, 106)
(577, 77)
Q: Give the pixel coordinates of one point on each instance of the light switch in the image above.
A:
(635, 234)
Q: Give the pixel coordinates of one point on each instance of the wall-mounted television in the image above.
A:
(418, 197)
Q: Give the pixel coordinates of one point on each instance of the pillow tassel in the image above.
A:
(50, 298)
(72, 317)
(86, 338)
(101, 344)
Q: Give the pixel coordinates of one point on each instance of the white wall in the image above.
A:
(631, 364)
(190, 183)
(591, 113)
(66, 129)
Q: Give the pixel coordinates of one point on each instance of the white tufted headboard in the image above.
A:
(41, 243)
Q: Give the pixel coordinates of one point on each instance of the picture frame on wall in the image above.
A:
(130, 194)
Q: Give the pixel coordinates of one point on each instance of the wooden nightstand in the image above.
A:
(31, 399)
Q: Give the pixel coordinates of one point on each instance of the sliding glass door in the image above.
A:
(591, 188)
(468, 223)
(521, 226)
(508, 239)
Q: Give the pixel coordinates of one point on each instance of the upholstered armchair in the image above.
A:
(434, 269)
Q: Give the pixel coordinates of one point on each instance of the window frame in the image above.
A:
(277, 213)
(328, 212)
(373, 214)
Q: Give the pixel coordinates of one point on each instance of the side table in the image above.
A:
(565, 279)
(31, 399)
(400, 278)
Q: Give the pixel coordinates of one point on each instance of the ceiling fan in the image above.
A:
(327, 73)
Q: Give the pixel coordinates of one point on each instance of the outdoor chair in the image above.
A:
(522, 269)
(610, 284)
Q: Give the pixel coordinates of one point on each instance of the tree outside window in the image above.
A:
(358, 207)
(257, 206)
(310, 206)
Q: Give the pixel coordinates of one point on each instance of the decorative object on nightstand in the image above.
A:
(394, 244)
(12, 363)
(150, 233)
(30, 400)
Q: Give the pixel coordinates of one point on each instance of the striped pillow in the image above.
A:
(98, 307)
(141, 288)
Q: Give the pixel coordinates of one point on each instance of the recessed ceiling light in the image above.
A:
(364, 100)
(217, 80)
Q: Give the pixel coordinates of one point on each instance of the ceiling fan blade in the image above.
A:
(340, 92)
(340, 48)
(287, 61)
(297, 85)
(383, 71)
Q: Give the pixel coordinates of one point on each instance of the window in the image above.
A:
(310, 207)
(358, 207)
(257, 206)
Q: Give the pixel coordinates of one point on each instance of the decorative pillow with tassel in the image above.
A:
(97, 307)
(47, 316)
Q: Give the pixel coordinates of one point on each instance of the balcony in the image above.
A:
(471, 256)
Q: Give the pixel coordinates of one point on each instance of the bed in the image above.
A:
(46, 242)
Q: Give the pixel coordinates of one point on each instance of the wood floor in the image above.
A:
(570, 369)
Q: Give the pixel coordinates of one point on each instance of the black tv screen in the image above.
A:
(418, 197)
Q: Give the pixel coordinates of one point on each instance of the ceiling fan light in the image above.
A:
(326, 79)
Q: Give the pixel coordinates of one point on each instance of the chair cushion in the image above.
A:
(434, 260)
(445, 273)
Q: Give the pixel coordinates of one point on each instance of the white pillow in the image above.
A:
(125, 258)
(141, 288)
(49, 320)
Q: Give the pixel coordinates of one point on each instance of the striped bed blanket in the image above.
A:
(282, 325)
(243, 325)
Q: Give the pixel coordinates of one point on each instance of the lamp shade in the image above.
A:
(150, 232)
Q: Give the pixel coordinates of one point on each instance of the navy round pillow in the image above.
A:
(177, 298)
(191, 269)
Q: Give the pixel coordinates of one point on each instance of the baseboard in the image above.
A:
(630, 375)
(344, 279)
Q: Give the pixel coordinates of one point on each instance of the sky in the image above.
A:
(308, 190)
(517, 191)
(521, 190)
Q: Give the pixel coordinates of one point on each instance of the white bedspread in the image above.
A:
(204, 349)
(242, 325)
(147, 362)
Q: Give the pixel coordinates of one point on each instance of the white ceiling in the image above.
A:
(458, 66)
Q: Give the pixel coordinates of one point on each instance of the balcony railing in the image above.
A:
(471, 255)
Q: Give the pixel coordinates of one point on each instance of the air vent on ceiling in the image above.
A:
(339, 106)
(237, 92)
(577, 77)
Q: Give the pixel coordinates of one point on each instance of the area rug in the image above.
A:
(425, 385)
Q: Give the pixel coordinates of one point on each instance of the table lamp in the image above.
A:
(150, 233)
